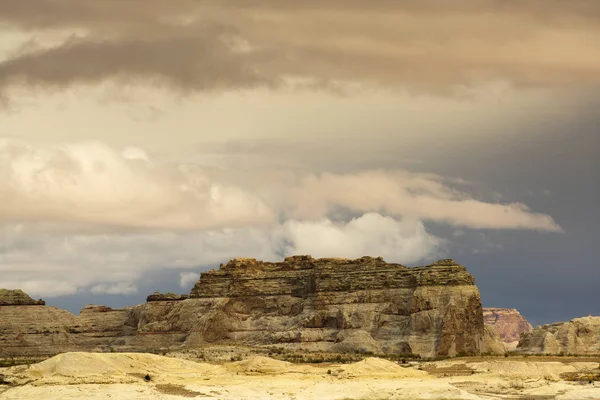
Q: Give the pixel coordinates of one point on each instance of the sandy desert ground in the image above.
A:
(125, 376)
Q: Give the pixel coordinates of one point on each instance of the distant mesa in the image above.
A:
(508, 323)
(18, 297)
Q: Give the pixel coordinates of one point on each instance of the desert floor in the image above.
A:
(148, 376)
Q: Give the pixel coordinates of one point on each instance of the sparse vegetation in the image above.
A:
(582, 376)
(517, 385)
(14, 361)
(177, 390)
(337, 358)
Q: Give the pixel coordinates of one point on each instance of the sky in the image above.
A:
(145, 141)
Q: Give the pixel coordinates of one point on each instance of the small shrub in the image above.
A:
(147, 378)
(517, 385)
(328, 372)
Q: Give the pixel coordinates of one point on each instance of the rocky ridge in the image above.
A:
(18, 297)
(508, 323)
(156, 296)
(331, 305)
(579, 336)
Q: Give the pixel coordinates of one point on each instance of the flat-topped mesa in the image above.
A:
(18, 297)
(304, 275)
(336, 304)
(301, 304)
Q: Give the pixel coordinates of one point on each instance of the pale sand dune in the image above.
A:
(259, 364)
(522, 369)
(379, 367)
(110, 368)
(121, 376)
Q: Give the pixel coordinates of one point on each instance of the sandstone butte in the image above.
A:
(508, 323)
(579, 336)
(330, 305)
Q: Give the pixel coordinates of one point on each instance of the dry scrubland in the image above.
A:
(149, 376)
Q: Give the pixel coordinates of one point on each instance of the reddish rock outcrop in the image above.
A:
(508, 323)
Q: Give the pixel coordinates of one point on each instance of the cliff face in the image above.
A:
(338, 305)
(327, 304)
(578, 336)
(43, 330)
(508, 323)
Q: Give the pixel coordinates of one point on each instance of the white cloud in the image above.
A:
(400, 193)
(135, 153)
(404, 241)
(93, 184)
(36, 287)
(186, 279)
(115, 288)
(113, 263)
(90, 183)
(83, 217)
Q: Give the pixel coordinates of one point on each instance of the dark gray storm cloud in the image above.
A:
(187, 62)
(197, 46)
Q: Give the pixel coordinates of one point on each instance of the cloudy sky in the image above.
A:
(144, 141)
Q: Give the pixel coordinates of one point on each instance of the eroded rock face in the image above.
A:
(43, 330)
(579, 336)
(18, 297)
(156, 296)
(508, 323)
(364, 305)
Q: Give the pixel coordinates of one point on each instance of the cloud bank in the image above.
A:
(86, 217)
(208, 46)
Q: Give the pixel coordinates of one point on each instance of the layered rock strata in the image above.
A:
(156, 296)
(338, 305)
(579, 336)
(508, 323)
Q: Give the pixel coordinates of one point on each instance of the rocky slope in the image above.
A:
(578, 336)
(508, 323)
(334, 305)
(18, 297)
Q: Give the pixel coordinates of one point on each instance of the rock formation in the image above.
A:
(508, 323)
(156, 296)
(337, 305)
(18, 297)
(579, 336)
